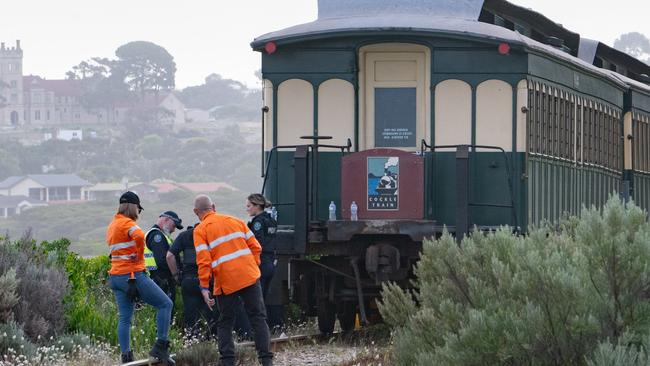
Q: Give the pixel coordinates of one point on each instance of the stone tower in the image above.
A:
(11, 87)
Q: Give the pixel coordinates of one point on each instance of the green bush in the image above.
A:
(198, 354)
(41, 286)
(8, 296)
(14, 342)
(575, 294)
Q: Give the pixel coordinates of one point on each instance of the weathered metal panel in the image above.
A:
(478, 60)
(558, 187)
(396, 191)
(583, 82)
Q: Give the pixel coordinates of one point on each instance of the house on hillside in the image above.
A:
(15, 205)
(54, 101)
(51, 188)
(112, 191)
(107, 191)
(163, 107)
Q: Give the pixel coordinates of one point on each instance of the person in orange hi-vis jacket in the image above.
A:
(129, 281)
(227, 251)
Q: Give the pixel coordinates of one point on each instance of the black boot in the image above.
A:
(127, 357)
(160, 351)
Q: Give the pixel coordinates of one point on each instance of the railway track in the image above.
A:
(275, 343)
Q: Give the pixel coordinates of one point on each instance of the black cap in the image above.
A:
(172, 215)
(130, 197)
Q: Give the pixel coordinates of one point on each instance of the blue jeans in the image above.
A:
(149, 293)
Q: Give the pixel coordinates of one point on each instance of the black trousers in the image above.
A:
(195, 309)
(251, 296)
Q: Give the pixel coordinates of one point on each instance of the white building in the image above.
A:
(46, 187)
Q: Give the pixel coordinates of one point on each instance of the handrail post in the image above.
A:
(462, 192)
(301, 200)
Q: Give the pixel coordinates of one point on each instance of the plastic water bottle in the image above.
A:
(274, 213)
(332, 211)
(353, 211)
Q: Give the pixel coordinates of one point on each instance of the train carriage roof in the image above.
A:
(453, 18)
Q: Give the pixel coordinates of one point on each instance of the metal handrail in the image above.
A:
(265, 175)
(423, 145)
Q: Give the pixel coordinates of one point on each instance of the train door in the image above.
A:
(394, 98)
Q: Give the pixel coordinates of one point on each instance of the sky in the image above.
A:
(213, 36)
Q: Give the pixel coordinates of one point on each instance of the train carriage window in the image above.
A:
(643, 144)
(555, 125)
(591, 124)
(598, 135)
(533, 119)
(395, 117)
(453, 113)
(336, 111)
(543, 122)
(494, 114)
(295, 111)
(586, 125)
(579, 131)
(561, 127)
(602, 140)
(571, 107)
(635, 141)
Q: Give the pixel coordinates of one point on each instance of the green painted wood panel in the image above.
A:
(557, 188)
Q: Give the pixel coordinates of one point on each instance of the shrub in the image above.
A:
(575, 294)
(14, 342)
(198, 354)
(41, 288)
(8, 296)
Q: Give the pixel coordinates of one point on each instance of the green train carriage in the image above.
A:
(496, 115)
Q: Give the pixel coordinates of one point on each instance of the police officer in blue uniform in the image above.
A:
(185, 272)
(159, 240)
(264, 228)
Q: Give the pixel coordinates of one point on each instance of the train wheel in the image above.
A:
(347, 313)
(326, 316)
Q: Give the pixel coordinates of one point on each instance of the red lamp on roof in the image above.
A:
(270, 47)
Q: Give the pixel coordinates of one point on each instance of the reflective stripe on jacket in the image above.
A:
(149, 260)
(228, 251)
(126, 245)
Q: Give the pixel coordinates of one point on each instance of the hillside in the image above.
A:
(85, 224)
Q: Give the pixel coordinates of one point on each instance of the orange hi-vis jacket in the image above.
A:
(228, 251)
(126, 243)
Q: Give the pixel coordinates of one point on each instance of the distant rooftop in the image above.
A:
(69, 88)
(10, 182)
(47, 180)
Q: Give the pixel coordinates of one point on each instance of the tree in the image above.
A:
(234, 97)
(634, 44)
(576, 294)
(146, 67)
(102, 82)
